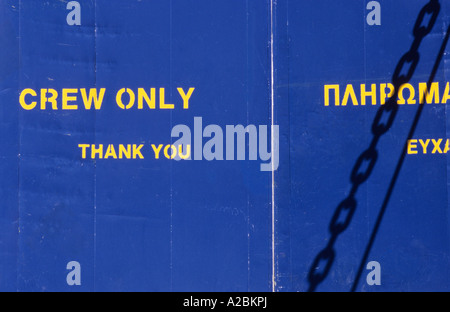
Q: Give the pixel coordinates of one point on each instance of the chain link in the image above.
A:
(390, 108)
(370, 155)
(348, 206)
(430, 8)
(412, 58)
(316, 276)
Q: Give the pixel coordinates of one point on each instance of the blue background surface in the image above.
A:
(331, 43)
(164, 225)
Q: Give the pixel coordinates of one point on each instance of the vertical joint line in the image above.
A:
(272, 139)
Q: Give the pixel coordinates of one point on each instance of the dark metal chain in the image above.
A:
(346, 209)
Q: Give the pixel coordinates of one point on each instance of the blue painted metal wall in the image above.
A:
(334, 219)
(223, 225)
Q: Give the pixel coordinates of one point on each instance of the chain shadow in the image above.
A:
(346, 209)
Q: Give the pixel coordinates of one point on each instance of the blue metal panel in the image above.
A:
(141, 224)
(158, 224)
(398, 214)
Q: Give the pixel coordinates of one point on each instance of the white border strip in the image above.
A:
(272, 95)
